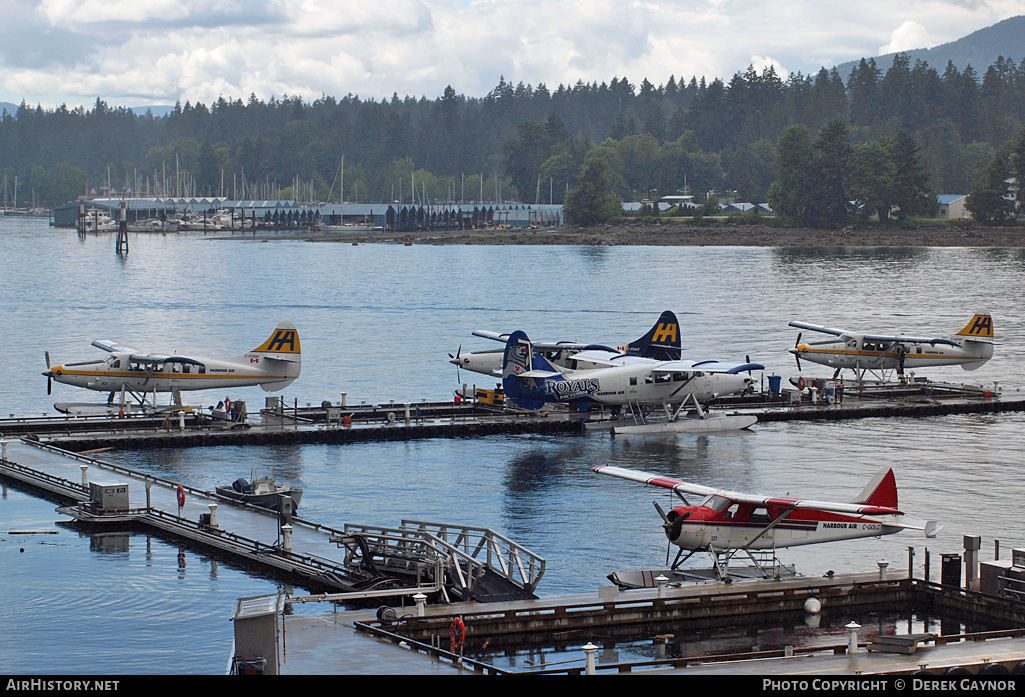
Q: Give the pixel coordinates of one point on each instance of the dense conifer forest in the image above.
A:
(520, 142)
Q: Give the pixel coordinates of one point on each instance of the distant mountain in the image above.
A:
(159, 110)
(979, 49)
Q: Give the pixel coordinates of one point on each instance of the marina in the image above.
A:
(532, 487)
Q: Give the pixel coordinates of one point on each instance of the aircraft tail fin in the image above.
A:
(881, 490)
(979, 327)
(282, 345)
(524, 371)
(662, 342)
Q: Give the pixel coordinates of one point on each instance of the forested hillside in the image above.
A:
(519, 142)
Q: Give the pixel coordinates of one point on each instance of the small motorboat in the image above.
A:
(261, 490)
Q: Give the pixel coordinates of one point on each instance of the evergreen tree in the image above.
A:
(990, 200)
(593, 200)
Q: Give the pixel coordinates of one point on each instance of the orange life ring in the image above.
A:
(801, 383)
(456, 634)
(181, 496)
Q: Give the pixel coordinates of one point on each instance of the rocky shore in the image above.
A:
(683, 234)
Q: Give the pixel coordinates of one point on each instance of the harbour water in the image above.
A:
(377, 321)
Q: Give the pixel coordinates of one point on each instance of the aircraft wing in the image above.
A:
(546, 345)
(707, 367)
(817, 328)
(111, 347)
(610, 358)
(683, 487)
(494, 336)
(910, 339)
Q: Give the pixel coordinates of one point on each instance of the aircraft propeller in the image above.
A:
(672, 527)
(456, 359)
(49, 380)
(797, 357)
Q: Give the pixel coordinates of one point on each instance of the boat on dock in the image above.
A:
(261, 490)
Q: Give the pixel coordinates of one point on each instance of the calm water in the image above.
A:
(378, 322)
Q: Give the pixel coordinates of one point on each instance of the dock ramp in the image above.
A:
(464, 562)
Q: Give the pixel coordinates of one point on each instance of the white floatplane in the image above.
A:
(273, 365)
(880, 353)
(726, 523)
(661, 342)
(641, 385)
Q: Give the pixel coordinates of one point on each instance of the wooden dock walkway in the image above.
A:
(360, 561)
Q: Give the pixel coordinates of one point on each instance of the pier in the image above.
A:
(186, 427)
(584, 633)
(355, 563)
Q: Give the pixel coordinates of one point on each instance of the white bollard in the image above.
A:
(852, 641)
(85, 476)
(407, 412)
(286, 534)
(589, 651)
(3, 450)
(213, 514)
(421, 604)
(181, 420)
(882, 564)
(344, 395)
(661, 582)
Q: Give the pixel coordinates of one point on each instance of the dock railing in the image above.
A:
(508, 559)
(466, 552)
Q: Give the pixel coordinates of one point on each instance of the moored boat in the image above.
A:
(261, 490)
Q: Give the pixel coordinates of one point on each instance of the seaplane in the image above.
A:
(727, 523)
(661, 342)
(641, 384)
(879, 354)
(273, 365)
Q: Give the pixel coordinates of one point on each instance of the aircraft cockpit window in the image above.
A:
(680, 377)
(852, 344)
(732, 512)
(717, 503)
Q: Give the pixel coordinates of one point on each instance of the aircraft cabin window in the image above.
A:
(649, 379)
(760, 515)
(664, 377)
(633, 381)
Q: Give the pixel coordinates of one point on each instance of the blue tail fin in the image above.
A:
(521, 358)
(662, 342)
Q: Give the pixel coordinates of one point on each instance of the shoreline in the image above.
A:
(675, 235)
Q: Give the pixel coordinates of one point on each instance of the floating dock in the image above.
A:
(582, 633)
(359, 562)
(327, 423)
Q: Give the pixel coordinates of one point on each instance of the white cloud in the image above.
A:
(907, 37)
(159, 51)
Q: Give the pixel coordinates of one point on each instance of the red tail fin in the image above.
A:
(881, 490)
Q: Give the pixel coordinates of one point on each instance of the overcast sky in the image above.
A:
(143, 52)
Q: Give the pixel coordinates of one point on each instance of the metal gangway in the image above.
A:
(469, 562)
